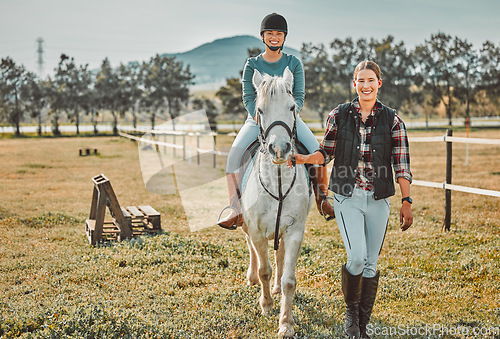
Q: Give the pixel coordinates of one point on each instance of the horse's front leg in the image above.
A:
(265, 273)
(292, 243)
(279, 256)
(252, 277)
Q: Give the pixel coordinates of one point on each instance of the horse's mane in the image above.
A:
(272, 85)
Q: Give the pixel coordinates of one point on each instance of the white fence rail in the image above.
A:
(446, 185)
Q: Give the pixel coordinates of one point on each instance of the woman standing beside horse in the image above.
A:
(365, 137)
(273, 61)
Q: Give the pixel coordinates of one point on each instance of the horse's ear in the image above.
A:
(257, 78)
(288, 77)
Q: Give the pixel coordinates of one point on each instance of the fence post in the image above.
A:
(449, 156)
(198, 148)
(467, 144)
(215, 150)
(173, 138)
(183, 146)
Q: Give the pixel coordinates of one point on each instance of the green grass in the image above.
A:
(57, 286)
(183, 284)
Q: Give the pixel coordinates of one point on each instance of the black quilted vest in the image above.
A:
(347, 152)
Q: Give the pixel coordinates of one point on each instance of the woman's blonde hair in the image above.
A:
(367, 64)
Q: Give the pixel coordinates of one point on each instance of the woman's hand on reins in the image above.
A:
(298, 159)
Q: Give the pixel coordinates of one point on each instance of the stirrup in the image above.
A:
(232, 228)
(326, 216)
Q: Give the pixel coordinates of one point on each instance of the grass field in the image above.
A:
(184, 284)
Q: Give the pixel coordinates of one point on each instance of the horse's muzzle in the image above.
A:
(280, 151)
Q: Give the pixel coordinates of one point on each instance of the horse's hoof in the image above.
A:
(286, 332)
(266, 310)
(277, 289)
(266, 306)
(251, 282)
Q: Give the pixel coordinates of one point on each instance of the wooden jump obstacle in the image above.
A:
(127, 222)
(87, 151)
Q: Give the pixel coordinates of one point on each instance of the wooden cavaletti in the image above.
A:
(126, 222)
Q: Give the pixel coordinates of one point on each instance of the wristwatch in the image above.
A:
(407, 199)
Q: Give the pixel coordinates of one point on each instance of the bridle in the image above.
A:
(292, 133)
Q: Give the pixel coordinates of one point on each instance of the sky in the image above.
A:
(136, 30)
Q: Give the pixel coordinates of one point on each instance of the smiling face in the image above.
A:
(367, 84)
(273, 38)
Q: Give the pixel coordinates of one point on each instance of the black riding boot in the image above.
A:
(368, 293)
(351, 287)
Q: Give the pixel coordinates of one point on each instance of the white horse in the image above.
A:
(276, 197)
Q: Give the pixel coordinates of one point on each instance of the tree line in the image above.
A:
(158, 86)
(444, 71)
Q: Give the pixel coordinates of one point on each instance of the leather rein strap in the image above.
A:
(281, 197)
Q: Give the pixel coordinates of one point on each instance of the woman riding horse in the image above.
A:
(273, 61)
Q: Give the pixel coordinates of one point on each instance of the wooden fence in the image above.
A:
(447, 138)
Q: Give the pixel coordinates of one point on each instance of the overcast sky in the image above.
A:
(127, 30)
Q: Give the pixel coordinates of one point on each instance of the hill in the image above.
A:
(220, 59)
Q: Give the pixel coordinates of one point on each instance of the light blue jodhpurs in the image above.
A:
(250, 131)
(362, 222)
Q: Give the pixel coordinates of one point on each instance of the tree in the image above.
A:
(468, 72)
(397, 68)
(230, 97)
(321, 89)
(88, 97)
(73, 84)
(230, 94)
(210, 109)
(490, 67)
(106, 86)
(165, 82)
(436, 70)
(125, 90)
(33, 94)
(136, 90)
(11, 78)
(177, 84)
(345, 56)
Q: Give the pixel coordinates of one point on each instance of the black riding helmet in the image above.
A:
(273, 22)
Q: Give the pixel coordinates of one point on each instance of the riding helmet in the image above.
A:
(274, 22)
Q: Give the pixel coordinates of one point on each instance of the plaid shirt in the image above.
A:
(400, 148)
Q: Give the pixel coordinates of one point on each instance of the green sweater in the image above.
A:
(273, 68)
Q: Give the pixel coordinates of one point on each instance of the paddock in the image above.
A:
(185, 283)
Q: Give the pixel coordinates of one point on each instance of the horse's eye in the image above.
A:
(259, 110)
(292, 108)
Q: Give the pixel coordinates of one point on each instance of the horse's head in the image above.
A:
(276, 114)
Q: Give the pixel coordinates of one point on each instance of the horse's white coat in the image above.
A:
(275, 102)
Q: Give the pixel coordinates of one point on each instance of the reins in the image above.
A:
(280, 198)
(292, 133)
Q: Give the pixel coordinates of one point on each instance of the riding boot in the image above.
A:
(234, 219)
(351, 287)
(367, 299)
(319, 175)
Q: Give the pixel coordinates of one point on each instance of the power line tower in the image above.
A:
(40, 56)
